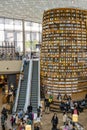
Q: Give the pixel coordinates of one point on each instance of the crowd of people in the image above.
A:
(67, 105)
(67, 124)
(20, 119)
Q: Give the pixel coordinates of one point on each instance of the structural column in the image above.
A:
(23, 28)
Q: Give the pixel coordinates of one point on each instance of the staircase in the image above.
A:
(34, 86)
(23, 89)
(55, 106)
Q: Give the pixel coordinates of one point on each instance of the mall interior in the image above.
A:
(43, 65)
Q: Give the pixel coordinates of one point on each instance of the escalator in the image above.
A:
(35, 85)
(23, 89)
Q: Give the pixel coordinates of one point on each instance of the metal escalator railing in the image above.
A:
(39, 83)
(23, 88)
(35, 94)
(28, 92)
(77, 124)
(18, 90)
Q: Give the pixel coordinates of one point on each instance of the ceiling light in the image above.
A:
(73, 1)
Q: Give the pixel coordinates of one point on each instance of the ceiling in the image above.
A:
(32, 10)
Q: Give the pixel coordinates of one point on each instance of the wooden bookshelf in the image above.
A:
(63, 58)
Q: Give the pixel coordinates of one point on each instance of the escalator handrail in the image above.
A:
(39, 83)
(18, 90)
(28, 91)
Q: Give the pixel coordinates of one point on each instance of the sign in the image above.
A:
(28, 127)
(75, 118)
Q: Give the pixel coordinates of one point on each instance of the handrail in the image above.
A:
(39, 82)
(77, 124)
(18, 90)
(28, 91)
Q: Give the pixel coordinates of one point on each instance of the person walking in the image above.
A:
(64, 118)
(29, 108)
(38, 111)
(47, 106)
(54, 121)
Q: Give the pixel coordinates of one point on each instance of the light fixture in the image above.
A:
(73, 1)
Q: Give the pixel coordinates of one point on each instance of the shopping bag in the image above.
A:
(28, 127)
(75, 118)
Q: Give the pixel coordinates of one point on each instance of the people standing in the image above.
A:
(59, 97)
(54, 121)
(29, 108)
(38, 111)
(64, 118)
(3, 121)
(73, 127)
(75, 114)
(66, 127)
(75, 110)
(12, 121)
(50, 98)
(4, 112)
(47, 106)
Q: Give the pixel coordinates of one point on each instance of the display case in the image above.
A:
(63, 58)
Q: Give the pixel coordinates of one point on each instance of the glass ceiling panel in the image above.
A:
(32, 10)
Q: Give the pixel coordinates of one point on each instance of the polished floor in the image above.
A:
(46, 118)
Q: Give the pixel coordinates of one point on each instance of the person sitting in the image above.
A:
(65, 97)
(86, 97)
(83, 103)
(62, 106)
(59, 97)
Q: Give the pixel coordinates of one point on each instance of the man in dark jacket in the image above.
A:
(29, 108)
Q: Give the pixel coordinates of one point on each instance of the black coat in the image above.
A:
(54, 121)
(29, 108)
(36, 128)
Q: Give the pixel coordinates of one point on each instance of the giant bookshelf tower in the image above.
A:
(63, 58)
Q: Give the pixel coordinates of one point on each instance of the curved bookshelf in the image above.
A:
(64, 51)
